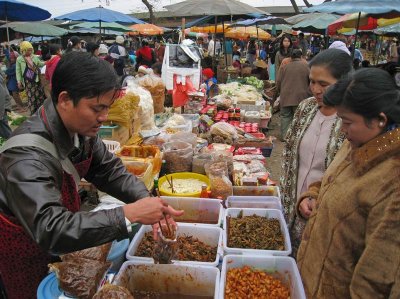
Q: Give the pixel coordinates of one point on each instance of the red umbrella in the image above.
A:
(350, 21)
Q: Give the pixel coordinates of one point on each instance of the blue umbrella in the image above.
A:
(99, 14)
(13, 10)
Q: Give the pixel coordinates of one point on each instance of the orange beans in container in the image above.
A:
(251, 283)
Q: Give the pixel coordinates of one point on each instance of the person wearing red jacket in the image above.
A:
(55, 52)
(145, 55)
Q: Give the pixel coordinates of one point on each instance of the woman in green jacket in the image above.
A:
(28, 76)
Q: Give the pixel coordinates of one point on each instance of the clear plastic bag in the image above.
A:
(199, 161)
(178, 156)
(185, 137)
(224, 156)
(220, 184)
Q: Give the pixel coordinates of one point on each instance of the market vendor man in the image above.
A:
(41, 165)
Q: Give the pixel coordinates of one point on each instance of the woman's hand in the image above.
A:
(306, 207)
(19, 85)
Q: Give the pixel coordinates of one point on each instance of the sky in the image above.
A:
(59, 7)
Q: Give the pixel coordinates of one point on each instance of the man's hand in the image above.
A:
(149, 210)
(19, 85)
(306, 207)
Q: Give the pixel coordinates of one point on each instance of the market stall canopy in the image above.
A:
(211, 8)
(36, 28)
(105, 25)
(351, 6)
(281, 27)
(349, 21)
(316, 24)
(93, 31)
(272, 20)
(146, 29)
(209, 29)
(247, 33)
(99, 14)
(13, 10)
(393, 29)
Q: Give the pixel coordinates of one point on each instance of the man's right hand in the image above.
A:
(149, 210)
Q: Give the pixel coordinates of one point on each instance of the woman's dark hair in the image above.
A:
(82, 75)
(145, 42)
(72, 42)
(338, 62)
(281, 48)
(91, 47)
(54, 48)
(367, 92)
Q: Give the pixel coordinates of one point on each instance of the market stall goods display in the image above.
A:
(255, 232)
(189, 249)
(246, 282)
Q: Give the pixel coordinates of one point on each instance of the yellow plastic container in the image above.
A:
(183, 175)
(142, 170)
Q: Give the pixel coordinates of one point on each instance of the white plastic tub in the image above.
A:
(254, 202)
(267, 213)
(206, 211)
(189, 280)
(208, 234)
(257, 191)
(285, 266)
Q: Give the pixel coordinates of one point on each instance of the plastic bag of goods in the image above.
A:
(223, 133)
(199, 161)
(156, 87)
(190, 138)
(146, 109)
(80, 273)
(177, 123)
(220, 184)
(124, 110)
(178, 156)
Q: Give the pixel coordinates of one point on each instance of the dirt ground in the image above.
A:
(274, 162)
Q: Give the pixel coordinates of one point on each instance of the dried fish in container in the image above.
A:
(188, 249)
(255, 232)
(251, 283)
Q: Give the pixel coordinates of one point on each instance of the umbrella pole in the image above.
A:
(215, 43)
(355, 39)
(8, 33)
(183, 28)
(223, 39)
(100, 29)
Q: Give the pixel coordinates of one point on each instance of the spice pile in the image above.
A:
(189, 249)
(255, 232)
(250, 283)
